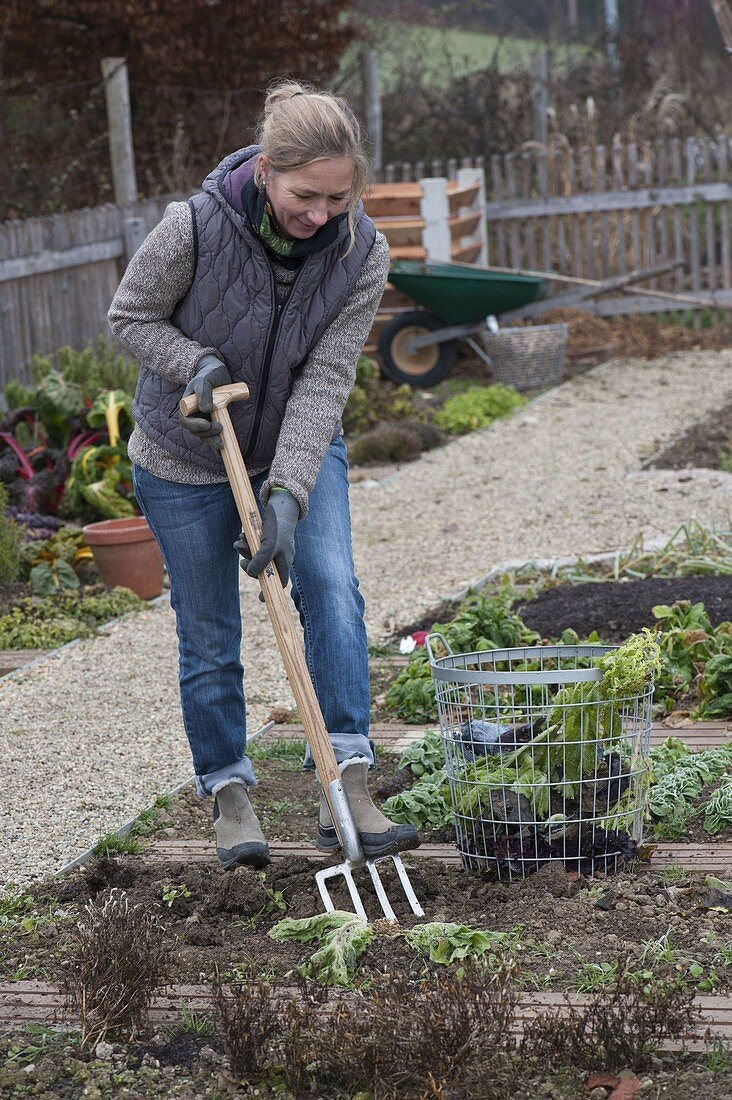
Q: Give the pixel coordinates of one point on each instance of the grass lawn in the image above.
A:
(446, 52)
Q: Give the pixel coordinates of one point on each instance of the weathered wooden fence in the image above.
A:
(58, 275)
(601, 212)
(590, 212)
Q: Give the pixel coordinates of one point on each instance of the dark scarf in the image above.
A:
(289, 253)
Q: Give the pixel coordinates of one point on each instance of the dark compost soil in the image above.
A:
(616, 609)
(704, 445)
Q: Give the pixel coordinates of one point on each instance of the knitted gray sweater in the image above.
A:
(160, 274)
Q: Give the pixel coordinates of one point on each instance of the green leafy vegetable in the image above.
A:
(59, 404)
(100, 483)
(425, 805)
(444, 943)
(50, 577)
(717, 809)
(715, 685)
(344, 937)
(630, 669)
(425, 755)
(482, 623)
(113, 409)
(476, 407)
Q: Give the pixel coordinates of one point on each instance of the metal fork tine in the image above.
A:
(380, 891)
(330, 872)
(345, 869)
(407, 886)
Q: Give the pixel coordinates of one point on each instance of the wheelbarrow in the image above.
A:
(419, 346)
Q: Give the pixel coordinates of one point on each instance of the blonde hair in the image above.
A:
(300, 124)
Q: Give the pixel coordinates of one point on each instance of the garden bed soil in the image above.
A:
(560, 928)
(642, 337)
(222, 918)
(705, 444)
(616, 609)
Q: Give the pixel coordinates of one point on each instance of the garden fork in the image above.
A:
(299, 677)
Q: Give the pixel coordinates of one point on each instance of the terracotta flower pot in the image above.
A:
(126, 553)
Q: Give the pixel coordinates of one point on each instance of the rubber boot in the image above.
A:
(239, 837)
(378, 835)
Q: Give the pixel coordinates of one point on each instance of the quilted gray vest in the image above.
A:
(232, 306)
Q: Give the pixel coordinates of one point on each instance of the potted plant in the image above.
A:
(126, 553)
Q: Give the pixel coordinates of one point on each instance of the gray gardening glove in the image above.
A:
(210, 374)
(278, 537)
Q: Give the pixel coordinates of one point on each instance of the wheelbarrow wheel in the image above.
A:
(424, 367)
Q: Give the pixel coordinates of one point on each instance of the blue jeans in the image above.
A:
(196, 526)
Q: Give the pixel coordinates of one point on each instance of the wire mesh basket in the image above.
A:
(541, 768)
(527, 358)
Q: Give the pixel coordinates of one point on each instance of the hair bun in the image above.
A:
(281, 92)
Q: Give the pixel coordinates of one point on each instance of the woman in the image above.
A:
(272, 276)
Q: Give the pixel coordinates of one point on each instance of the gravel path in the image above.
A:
(92, 734)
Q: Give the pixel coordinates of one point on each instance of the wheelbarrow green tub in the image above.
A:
(452, 295)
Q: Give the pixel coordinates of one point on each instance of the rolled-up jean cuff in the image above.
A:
(240, 769)
(345, 745)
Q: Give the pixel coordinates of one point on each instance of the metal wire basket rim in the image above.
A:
(567, 676)
(519, 652)
(448, 670)
(562, 326)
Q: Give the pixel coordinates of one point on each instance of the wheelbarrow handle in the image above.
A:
(279, 612)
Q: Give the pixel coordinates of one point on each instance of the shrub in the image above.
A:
(454, 1028)
(116, 958)
(374, 400)
(98, 367)
(55, 620)
(617, 1030)
(10, 542)
(247, 1014)
(389, 443)
(477, 407)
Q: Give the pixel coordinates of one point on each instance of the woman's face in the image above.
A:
(306, 198)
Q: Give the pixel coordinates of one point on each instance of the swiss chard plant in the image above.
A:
(482, 623)
(46, 428)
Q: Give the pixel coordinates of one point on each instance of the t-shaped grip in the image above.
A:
(222, 396)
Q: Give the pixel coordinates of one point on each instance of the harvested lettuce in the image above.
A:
(343, 937)
(445, 942)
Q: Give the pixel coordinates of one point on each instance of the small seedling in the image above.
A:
(594, 976)
(283, 806)
(277, 749)
(660, 950)
(541, 948)
(275, 904)
(42, 1040)
(194, 1022)
(725, 954)
(706, 981)
(719, 1058)
(116, 958)
(113, 844)
(19, 912)
(675, 873)
(170, 893)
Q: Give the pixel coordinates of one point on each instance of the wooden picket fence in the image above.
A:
(600, 211)
(590, 212)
